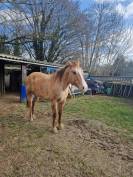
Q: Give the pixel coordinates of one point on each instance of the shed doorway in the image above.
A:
(13, 78)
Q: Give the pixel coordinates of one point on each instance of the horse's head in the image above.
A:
(75, 75)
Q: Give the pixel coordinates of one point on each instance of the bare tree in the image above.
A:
(105, 38)
(57, 30)
(46, 29)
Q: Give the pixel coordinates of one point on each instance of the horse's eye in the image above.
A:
(74, 72)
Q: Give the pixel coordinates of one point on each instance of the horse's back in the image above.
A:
(36, 75)
(35, 80)
(45, 86)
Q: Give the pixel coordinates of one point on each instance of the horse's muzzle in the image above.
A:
(85, 87)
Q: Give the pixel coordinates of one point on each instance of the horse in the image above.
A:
(54, 87)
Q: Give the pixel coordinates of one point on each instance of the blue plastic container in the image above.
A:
(23, 96)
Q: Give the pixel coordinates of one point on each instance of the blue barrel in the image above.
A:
(23, 96)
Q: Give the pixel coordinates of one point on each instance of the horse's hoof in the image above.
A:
(60, 127)
(55, 130)
(34, 117)
(31, 119)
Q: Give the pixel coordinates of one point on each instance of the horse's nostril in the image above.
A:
(83, 87)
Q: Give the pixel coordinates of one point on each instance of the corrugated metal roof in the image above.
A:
(20, 60)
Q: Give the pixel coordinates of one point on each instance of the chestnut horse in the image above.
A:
(54, 87)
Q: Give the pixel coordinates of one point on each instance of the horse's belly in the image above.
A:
(42, 91)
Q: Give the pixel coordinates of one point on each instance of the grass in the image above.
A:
(31, 149)
(115, 112)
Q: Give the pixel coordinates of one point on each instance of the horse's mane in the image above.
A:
(59, 74)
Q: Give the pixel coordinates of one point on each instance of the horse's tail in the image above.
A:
(27, 104)
(27, 99)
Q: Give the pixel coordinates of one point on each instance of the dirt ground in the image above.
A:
(85, 148)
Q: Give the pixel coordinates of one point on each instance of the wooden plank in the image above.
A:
(2, 79)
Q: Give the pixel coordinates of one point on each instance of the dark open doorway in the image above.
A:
(12, 78)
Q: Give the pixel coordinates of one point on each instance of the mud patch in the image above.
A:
(104, 138)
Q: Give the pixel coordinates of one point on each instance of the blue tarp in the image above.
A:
(50, 69)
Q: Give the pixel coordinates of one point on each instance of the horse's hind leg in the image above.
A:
(54, 112)
(33, 105)
(30, 103)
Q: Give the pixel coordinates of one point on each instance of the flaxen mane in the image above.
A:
(60, 73)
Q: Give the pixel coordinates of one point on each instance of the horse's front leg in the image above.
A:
(54, 112)
(60, 110)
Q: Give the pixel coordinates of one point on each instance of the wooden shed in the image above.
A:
(13, 71)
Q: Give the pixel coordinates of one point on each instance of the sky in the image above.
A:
(124, 7)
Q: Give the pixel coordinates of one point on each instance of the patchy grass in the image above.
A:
(115, 112)
(85, 148)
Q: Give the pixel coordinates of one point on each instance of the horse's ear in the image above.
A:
(73, 63)
(78, 63)
(69, 63)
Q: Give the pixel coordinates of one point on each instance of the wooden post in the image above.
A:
(23, 89)
(124, 92)
(2, 78)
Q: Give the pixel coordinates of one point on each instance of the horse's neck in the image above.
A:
(63, 83)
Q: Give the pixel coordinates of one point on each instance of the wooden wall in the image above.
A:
(2, 79)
